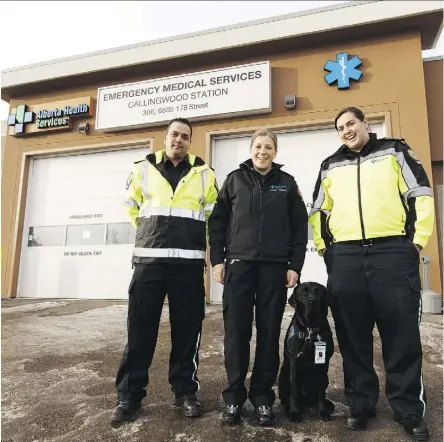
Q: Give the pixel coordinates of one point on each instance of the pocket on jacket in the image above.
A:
(146, 227)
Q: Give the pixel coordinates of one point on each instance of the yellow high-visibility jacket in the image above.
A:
(379, 192)
(171, 226)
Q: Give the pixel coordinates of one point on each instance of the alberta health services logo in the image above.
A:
(20, 118)
(342, 70)
(45, 119)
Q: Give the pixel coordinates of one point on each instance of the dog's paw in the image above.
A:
(324, 415)
(329, 405)
(295, 416)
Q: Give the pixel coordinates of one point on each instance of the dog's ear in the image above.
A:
(292, 298)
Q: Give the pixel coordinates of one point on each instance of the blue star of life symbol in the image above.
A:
(342, 70)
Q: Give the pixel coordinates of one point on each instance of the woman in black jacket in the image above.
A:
(258, 239)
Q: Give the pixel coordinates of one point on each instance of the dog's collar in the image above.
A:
(311, 334)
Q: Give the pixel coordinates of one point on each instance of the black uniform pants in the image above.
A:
(378, 284)
(150, 283)
(250, 284)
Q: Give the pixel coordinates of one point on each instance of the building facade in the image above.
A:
(3, 139)
(76, 125)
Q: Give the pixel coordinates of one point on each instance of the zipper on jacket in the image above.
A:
(165, 175)
(257, 184)
(260, 221)
(183, 175)
(359, 198)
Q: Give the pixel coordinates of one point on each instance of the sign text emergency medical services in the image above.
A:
(218, 93)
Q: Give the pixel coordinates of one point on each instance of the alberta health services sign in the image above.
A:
(218, 93)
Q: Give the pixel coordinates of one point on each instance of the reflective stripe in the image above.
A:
(318, 203)
(173, 211)
(406, 172)
(144, 179)
(332, 166)
(194, 375)
(203, 177)
(415, 189)
(378, 154)
(209, 207)
(131, 203)
(421, 393)
(143, 252)
(418, 191)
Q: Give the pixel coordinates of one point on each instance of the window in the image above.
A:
(46, 236)
(82, 234)
(120, 233)
(85, 234)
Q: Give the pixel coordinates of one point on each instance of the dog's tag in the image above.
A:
(320, 352)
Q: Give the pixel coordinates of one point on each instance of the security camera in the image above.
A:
(83, 128)
(290, 101)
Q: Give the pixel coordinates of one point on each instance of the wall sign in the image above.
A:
(218, 93)
(26, 120)
(85, 253)
(342, 70)
(86, 216)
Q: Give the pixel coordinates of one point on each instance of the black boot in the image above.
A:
(358, 419)
(232, 414)
(126, 411)
(414, 426)
(265, 415)
(191, 407)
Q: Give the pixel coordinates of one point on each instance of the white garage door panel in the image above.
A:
(95, 277)
(301, 153)
(77, 239)
(85, 165)
(102, 186)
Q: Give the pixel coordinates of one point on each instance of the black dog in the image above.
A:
(308, 347)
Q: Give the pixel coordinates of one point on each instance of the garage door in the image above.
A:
(77, 240)
(301, 153)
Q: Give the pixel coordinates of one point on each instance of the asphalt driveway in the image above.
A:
(59, 360)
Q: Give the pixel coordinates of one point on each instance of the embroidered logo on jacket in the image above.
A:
(278, 188)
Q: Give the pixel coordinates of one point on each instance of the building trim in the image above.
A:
(316, 21)
(294, 126)
(435, 58)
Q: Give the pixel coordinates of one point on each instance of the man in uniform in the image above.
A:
(170, 197)
(373, 212)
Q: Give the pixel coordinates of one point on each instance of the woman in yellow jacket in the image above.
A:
(373, 212)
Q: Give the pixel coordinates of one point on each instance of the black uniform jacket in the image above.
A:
(259, 218)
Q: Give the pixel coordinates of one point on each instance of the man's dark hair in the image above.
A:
(183, 121)
(354, 110)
